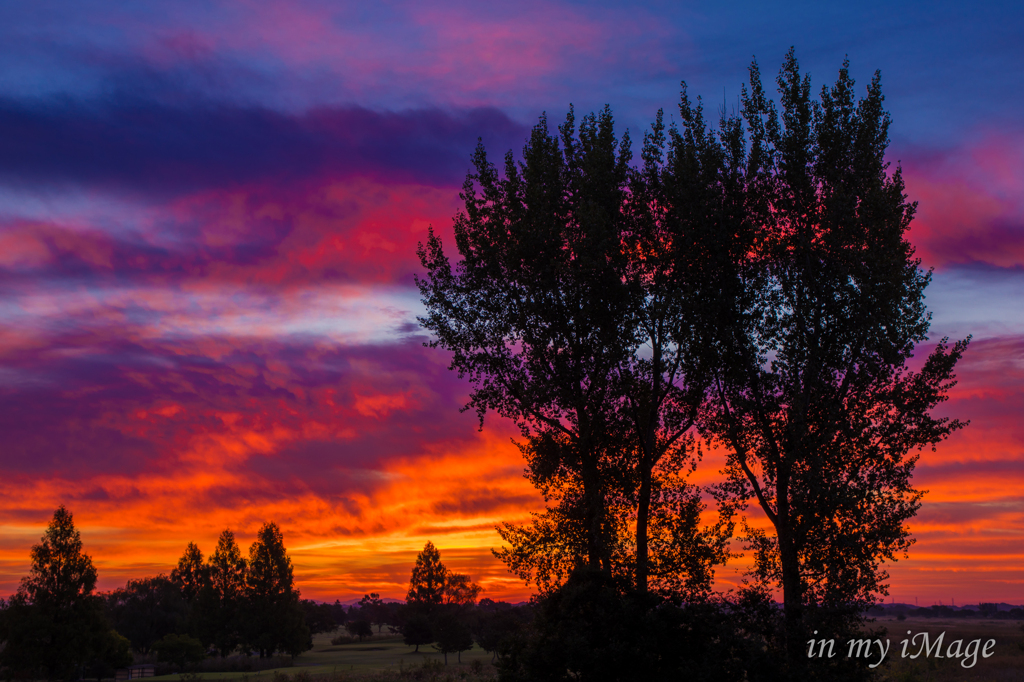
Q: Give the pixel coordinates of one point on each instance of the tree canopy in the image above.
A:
(560, 285)
(820, 307)
(751, 286)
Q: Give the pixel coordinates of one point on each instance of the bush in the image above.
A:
(591, 629)
(359, 628)
(342, 639)
(180, 650)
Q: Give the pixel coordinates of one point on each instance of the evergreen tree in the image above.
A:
(429, 577)
(54, 624)
(219, 603)
(191, 573)
(274, 620)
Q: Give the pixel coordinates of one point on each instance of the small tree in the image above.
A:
(372, 607)
(219, 603)
(429, 576)
(417, 631)
(452, 633)
(114, 652)
(816, 303)
(359, 628)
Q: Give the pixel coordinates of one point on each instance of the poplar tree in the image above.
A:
(567, 276)
(815, 307)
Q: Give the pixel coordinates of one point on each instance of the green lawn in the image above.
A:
(381, 652)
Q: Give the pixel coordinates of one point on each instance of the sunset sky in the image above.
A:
(208, 220)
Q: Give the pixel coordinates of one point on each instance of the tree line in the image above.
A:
(58, 627)
(747, 286)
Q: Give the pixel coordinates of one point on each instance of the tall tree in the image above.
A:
(534, 313)
(429, 576)
(821, 305)
(54, 624)
(274, 620)
(568, 272)
(191, 573)
(219, 603)
(663, 386)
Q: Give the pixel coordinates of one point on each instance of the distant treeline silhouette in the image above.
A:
(58, 627)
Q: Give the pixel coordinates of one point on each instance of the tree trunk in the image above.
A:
(642, 515)
(792, 598)
(594, 502)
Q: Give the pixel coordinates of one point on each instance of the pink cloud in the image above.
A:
(971, 203)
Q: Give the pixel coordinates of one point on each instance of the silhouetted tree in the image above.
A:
(569, 272)
(429, 575)
(460, 589)
(372, 608)
(451, 632)
(54, 624)
(319, 617)
(191, 573)
(417, 630)
(147, 609)
(536, 312)
(115, 652)
(219, 603)
(360, 627)
(273, 618)
(820, 303)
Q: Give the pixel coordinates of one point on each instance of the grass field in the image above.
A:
(1006, 663)
(387, 658)
(358, 660)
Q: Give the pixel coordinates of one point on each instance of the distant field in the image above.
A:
(386, 657)
(1006, 664)
(379, 653)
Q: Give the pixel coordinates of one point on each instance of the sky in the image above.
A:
(208, 220)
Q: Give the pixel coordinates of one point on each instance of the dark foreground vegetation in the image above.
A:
(748, 287)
